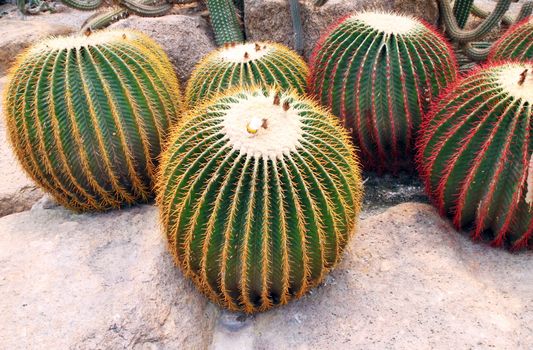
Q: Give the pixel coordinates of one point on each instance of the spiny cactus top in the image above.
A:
(259, 193)
(475, 154)
(87, 116)
(244, 64)
(378, 72)
(515, 44)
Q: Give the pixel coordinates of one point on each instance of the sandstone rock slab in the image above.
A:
(407, 281)
(186, 39)
(19, 34)
(95, 281)
(271, 20)
(17, 191)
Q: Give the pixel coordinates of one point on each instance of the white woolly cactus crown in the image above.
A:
(244, 52)
(263, 126)
(516, 79)
(76, 41)
(388, 22)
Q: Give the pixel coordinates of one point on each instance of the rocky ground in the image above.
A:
(106, 281)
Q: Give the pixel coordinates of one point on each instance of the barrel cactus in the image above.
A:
(235, 65)
(87, 115)
(475, 154)
(515, 44)
(259, 193)
(378, 72)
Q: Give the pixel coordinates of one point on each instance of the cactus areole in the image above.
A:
(255, 63)
(515, 44)
(475, 154)
(259, 193)
(87, 116)
(378, 73)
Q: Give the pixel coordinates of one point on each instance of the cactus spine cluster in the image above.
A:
(515, 44)
(378, 72)
(259, 193)
(87, 116)
(475, 154)
(260, 63)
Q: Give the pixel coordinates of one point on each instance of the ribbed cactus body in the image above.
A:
(515, 44)
(461, 11)
(261, 63)
(475, 154)
(378, 72)
(259, 194)
(225, 21)
(87, 116)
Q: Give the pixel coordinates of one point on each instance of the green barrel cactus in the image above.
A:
(259, 193)
(87, 116)
(515, 44)
(234, 65)
(475, 154)
(378, 72)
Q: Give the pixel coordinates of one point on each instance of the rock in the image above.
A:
(407, 281)
(186, 39)
(271, 20)
(95, 281)
(17, 191)
(19, 34)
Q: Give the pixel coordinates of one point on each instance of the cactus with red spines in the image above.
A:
(515, 44)
(378, 72)
(475, 154)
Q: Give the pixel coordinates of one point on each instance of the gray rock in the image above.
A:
(95, 281)
(271, 20)
(19, 34)
(407, 281)
(17, 191)
(186, 39)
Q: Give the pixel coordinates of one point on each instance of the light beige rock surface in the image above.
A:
(186, 39)
(95, 282)
(408, 281)
(17, 191)
(16, 35)
(271, 19)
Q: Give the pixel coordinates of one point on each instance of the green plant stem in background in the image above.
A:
(88, 5)
(297, 25)
(103, 19)
(225, 21)
(464, 36)
(525, 11)
(478, 51)
(461, 11)
(145, 10)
